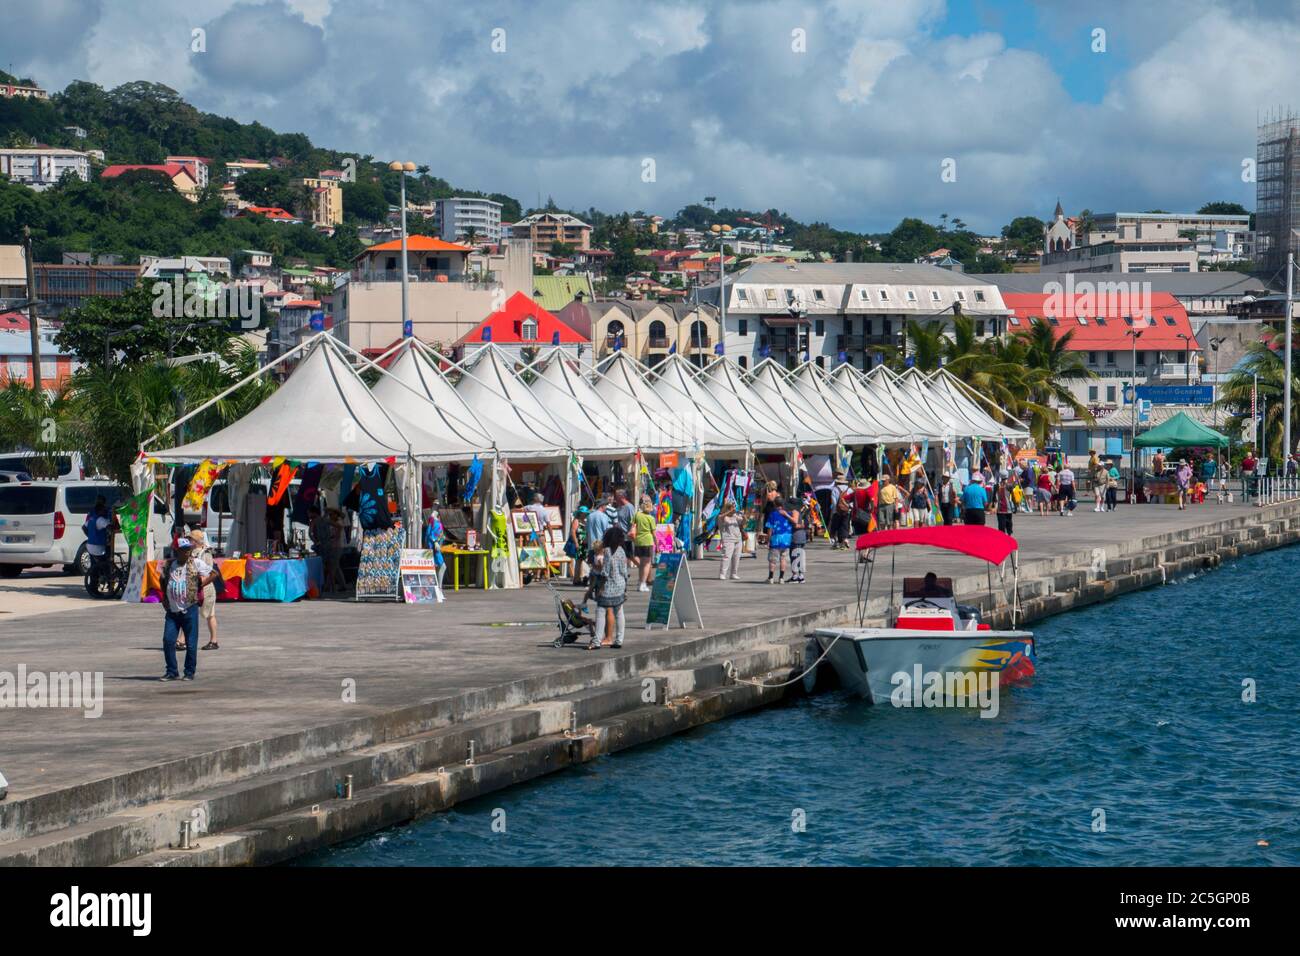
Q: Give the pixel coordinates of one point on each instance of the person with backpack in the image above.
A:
(183, 585)
(779, 526)
(841, 513)
(613, 589)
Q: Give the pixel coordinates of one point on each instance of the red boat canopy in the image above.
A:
(976, 540)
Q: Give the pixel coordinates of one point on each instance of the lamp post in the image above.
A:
(1187, 355)
(1134, 334)
(718, 231)
(1286, 374)
(109, 336)
(1214, 403)
(402, 168)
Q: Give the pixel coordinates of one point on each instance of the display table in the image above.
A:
(455, 554)
(256, 579)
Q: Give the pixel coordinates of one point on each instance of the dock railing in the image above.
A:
(1261, 490)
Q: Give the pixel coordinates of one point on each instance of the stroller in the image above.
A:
(570, 620)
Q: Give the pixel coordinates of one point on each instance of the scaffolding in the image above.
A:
(1277, 190)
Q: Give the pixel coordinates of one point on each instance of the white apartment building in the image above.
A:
(825, 309)
(454, 219)
(41, 168)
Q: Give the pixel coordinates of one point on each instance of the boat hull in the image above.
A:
(867, 658)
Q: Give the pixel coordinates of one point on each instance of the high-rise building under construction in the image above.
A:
(1277, 191)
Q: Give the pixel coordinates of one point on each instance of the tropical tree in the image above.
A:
(1260, 374)
(37, 420)
(1050, 367)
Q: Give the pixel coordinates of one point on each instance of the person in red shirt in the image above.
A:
(1044, 493)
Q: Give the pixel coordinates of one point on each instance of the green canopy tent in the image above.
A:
(1182, 431)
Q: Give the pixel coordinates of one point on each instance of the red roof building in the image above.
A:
(522, 322)
(1101, 322)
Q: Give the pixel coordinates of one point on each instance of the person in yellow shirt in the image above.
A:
(887, 510)
(643, 541)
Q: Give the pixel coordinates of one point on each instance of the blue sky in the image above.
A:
(855, 112)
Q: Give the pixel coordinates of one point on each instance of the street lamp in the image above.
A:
(109, 336)
(1187, 354)
(1134, 334)
(402, 168)
(1214, 402)
(718, 231)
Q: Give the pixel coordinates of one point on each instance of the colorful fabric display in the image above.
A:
(283, 475)
(308, 492)
(381, 558)
(472, 477)
(197, 492)
(133, 515)
(372, 501)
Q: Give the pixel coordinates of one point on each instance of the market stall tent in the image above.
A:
(946, 387)
(561, 387)
(701, 420)
(1181, 431)
(859, 424)
(724, 380)
(624, 390)
(409, 387)
(500, 398)
(323, 412)
(767, 380)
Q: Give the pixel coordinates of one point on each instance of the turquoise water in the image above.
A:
(1137, 711)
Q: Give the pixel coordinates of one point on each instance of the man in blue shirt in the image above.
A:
(974, 499)
(598, 521)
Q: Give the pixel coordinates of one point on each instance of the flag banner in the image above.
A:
(197, 492)
(133, 516)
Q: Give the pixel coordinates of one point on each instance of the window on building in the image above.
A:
(979, 327)
(863, 294)
(529, 331)
(770, 296)
(911, 295)
(819, 295)
(1128, 320)
(961, 296)
(1092, 393)
(742, 295)
(884, 295)
(886, 326)
(866, 326)
(1110, 358)
(1169, 320)
(743, 361)
(742, 326)
(1083, 319)
(979, 296)
(789, 296)
(1142, 358)
(934, 295)
(819, 327)
(1092, 358)
(1014, 320)
(1110, 393)
(1101, 320)
(1053, 320)
(821, 361)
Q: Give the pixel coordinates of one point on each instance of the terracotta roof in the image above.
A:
(1100, 322)
(172, 170)
(416, 244)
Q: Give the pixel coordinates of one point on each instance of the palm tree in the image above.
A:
(1050, 365)
(928, 343)
(1261, 365)
(36, 420)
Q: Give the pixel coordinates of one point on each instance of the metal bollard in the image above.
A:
(347, 787)
(185, 834)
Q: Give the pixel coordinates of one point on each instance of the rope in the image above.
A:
(731, 673)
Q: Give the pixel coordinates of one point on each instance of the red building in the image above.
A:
(524, 326)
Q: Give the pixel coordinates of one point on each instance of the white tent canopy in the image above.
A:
(704, 422)
(415, 390)
(561, 387)
(945, 387)
(920, 422)
(724, 380)
(625, 392)
(323, 412)
(811, 426)
(499, 397)
(859, 425)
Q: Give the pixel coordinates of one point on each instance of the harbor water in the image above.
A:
(1137, 743)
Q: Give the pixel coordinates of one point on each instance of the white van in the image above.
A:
(40, 524)
(71, 466)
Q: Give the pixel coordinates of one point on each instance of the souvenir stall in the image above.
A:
(324, 431)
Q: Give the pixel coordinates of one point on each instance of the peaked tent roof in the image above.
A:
(945, 386)
(415, 390)
(860, 426)
(497, 396)
(849, 384)
(922, 423)
(724, 380)
(701, 420)
(323, 412)
(1181, 431)
(626, 393)
(560, 385)
(912, 385)
(767, 380)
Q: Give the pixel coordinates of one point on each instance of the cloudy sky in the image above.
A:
(848, 111)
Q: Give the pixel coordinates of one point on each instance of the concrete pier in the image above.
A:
(256, 755)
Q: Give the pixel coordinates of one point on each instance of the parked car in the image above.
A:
(71, 466)
(12, 477)
(40, 524)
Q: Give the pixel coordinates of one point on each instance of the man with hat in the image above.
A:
(202, 559)
(182, 584)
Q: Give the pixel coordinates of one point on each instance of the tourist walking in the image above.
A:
(576, 545)
(1183, 477)
(599, 521)
(779, 526)
(887, 508)
(624, 514)
(1112, 486)
(919, 512)
(841, 513)
(798, 539)
(613, 590)
(947, 499)
(182, 594)
(1043, 491)
(1065, 490)
(1006, 504)
(1100, 483)
(974, 499)
(729, 530)
(1158, 463)
(643, 541)
(203, 561)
